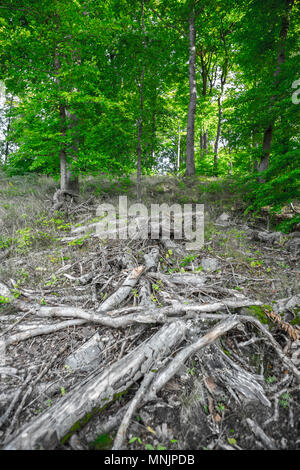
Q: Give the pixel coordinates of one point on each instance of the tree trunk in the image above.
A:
(178, 148)
(62, 152)
(218, 137)
(6, 152)
(140, 124)
(72, 180)
(268, 134)
(139, 144)
(153, 129)
(190, 137)
(203, 142)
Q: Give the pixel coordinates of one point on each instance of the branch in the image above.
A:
(169, 25)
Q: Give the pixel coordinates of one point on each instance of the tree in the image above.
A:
(287, 6)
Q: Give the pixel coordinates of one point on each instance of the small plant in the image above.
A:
(184, 262)
(79, 241)
(5, 242)
(284, 400)
(52, 281)
(220, 407)
(157, 286)
(255, 263)
(231, 441)
(133, 439)
(270, 379)
(135, 292)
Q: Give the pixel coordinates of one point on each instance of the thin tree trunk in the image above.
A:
(204, 74)
(201, 143)
(190, 137)
(218, 136)
(268, 134)
(72, 180)
(62, 152)
(178, 148)
(153, 138)
(205, 141)
(139, 152)
(140, 124)
(6, 152)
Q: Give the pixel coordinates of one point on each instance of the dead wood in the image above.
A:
(164, 376)
(185, 302)
(121, 294)
(44, 330)
(260, 434)
(59, 198)
(96, 391)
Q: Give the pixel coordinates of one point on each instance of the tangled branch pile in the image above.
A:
(123, 324)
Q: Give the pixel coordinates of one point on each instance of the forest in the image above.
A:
(138, 342)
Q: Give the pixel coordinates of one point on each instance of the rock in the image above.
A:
(293, 245)
(264, 236)
(5, 292)
(223, 219)
(87, 356)
(210, 264)
(288, 303)
(126, 261)
(151, 259)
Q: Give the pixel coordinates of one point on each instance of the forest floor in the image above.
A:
(78, 312)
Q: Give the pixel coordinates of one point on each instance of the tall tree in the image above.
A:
(190, 137)
(287, 6)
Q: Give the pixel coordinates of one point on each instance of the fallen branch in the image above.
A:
(174, 366)
(123, 291)
(121, 434)
(44, 330)
(155, 316)
(258, 432)
(45, 431)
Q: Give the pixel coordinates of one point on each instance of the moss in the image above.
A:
(102, 442)
(259, 312)
(296, 319)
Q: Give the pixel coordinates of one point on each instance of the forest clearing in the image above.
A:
(119, 332)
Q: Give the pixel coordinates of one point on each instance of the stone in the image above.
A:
(152, 258)
(210, 264)
(293, 245)
(223, 219)
(288, 303)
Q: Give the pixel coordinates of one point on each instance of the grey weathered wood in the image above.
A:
(117, 297)
(45, 431)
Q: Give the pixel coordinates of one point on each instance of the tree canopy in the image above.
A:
(192, 86)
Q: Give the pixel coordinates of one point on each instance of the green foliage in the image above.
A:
(81, 77)
(285, 399)
(4, 300)
(104, 441)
